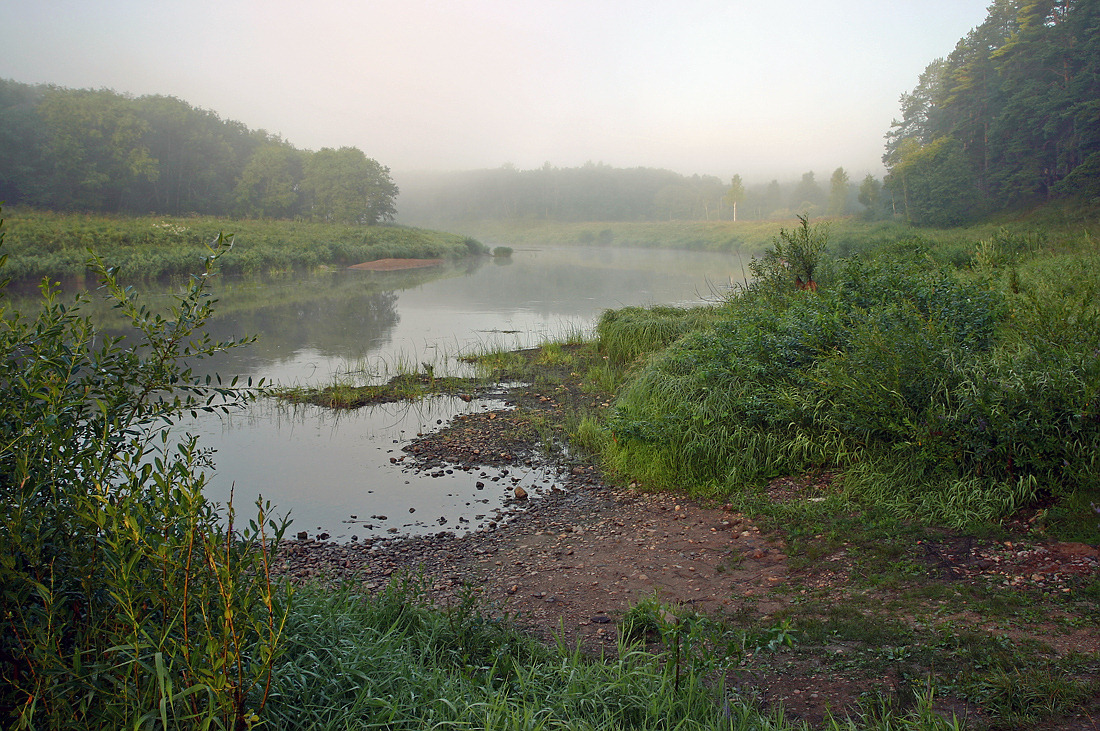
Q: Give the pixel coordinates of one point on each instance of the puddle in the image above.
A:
(344, 474)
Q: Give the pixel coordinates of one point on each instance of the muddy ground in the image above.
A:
(569, 565)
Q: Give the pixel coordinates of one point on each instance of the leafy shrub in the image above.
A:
(126, 599)
(793, 257)
(943, 394)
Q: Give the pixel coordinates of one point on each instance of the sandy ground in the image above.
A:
(389, 265)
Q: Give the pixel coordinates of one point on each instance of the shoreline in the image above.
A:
(570, 564)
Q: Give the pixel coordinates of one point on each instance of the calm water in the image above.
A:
(332, 470)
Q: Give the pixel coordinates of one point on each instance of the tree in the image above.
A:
(270, 185)
(838, 192)
(1018, 94)
(807, 194)
(346, 186)
(870, 193)
(199, 157)
(935, 183)
(735, 194)
(23, 165)
(773, 198)
(94, 144)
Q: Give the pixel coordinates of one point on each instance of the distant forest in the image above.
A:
(598, 192)
(98, 150)
(1010, 119)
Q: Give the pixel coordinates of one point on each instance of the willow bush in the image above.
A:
(127, 600)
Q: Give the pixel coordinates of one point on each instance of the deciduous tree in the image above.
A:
(346, 186)
(735, 194)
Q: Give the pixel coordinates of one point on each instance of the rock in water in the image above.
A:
(521, 494)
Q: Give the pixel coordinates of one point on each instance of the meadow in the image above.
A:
(56, 245)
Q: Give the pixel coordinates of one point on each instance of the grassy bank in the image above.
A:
(1055, 226)
(952, 394)
(41, 243)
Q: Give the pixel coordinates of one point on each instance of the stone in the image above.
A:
(521, 494)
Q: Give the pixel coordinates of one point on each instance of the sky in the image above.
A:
(763, 89)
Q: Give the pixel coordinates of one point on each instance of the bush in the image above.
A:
(944, 395)
(126, 598)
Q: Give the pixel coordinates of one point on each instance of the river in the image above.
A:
(332, 471)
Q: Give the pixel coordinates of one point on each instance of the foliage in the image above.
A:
(735, 194)
(127, 598)
(943, 394)
(934, 183)
(345, 186)
(794, 253)
(838, 192)
(101, 151)
(1017, 95)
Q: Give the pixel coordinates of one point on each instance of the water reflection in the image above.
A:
(345, 474)
(325, 467)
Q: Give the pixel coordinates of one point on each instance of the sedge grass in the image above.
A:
(392, 661)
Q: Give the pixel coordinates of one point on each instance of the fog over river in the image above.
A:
(331, 469)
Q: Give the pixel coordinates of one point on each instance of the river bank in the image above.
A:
(872, 615)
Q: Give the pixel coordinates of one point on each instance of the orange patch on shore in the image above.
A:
(389, 265)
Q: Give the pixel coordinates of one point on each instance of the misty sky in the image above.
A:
(764, 89)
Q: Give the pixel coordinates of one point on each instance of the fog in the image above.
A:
(695, 86)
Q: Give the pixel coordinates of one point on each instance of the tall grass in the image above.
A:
(393, 661)
(632, 332)
(56, 245)
(957, 395)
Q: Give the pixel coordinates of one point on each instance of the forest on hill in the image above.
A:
(102, 151)
(1008, 120)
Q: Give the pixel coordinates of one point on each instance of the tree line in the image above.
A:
(1009, 119)
(600, 192)
(102, 151)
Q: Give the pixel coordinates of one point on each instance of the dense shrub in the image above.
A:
(953, 395)
(126, 599)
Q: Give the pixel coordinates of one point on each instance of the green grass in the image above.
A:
(953, 395)
(394, 661)
(41, 243)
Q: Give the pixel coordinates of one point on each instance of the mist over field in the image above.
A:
(764, 90)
